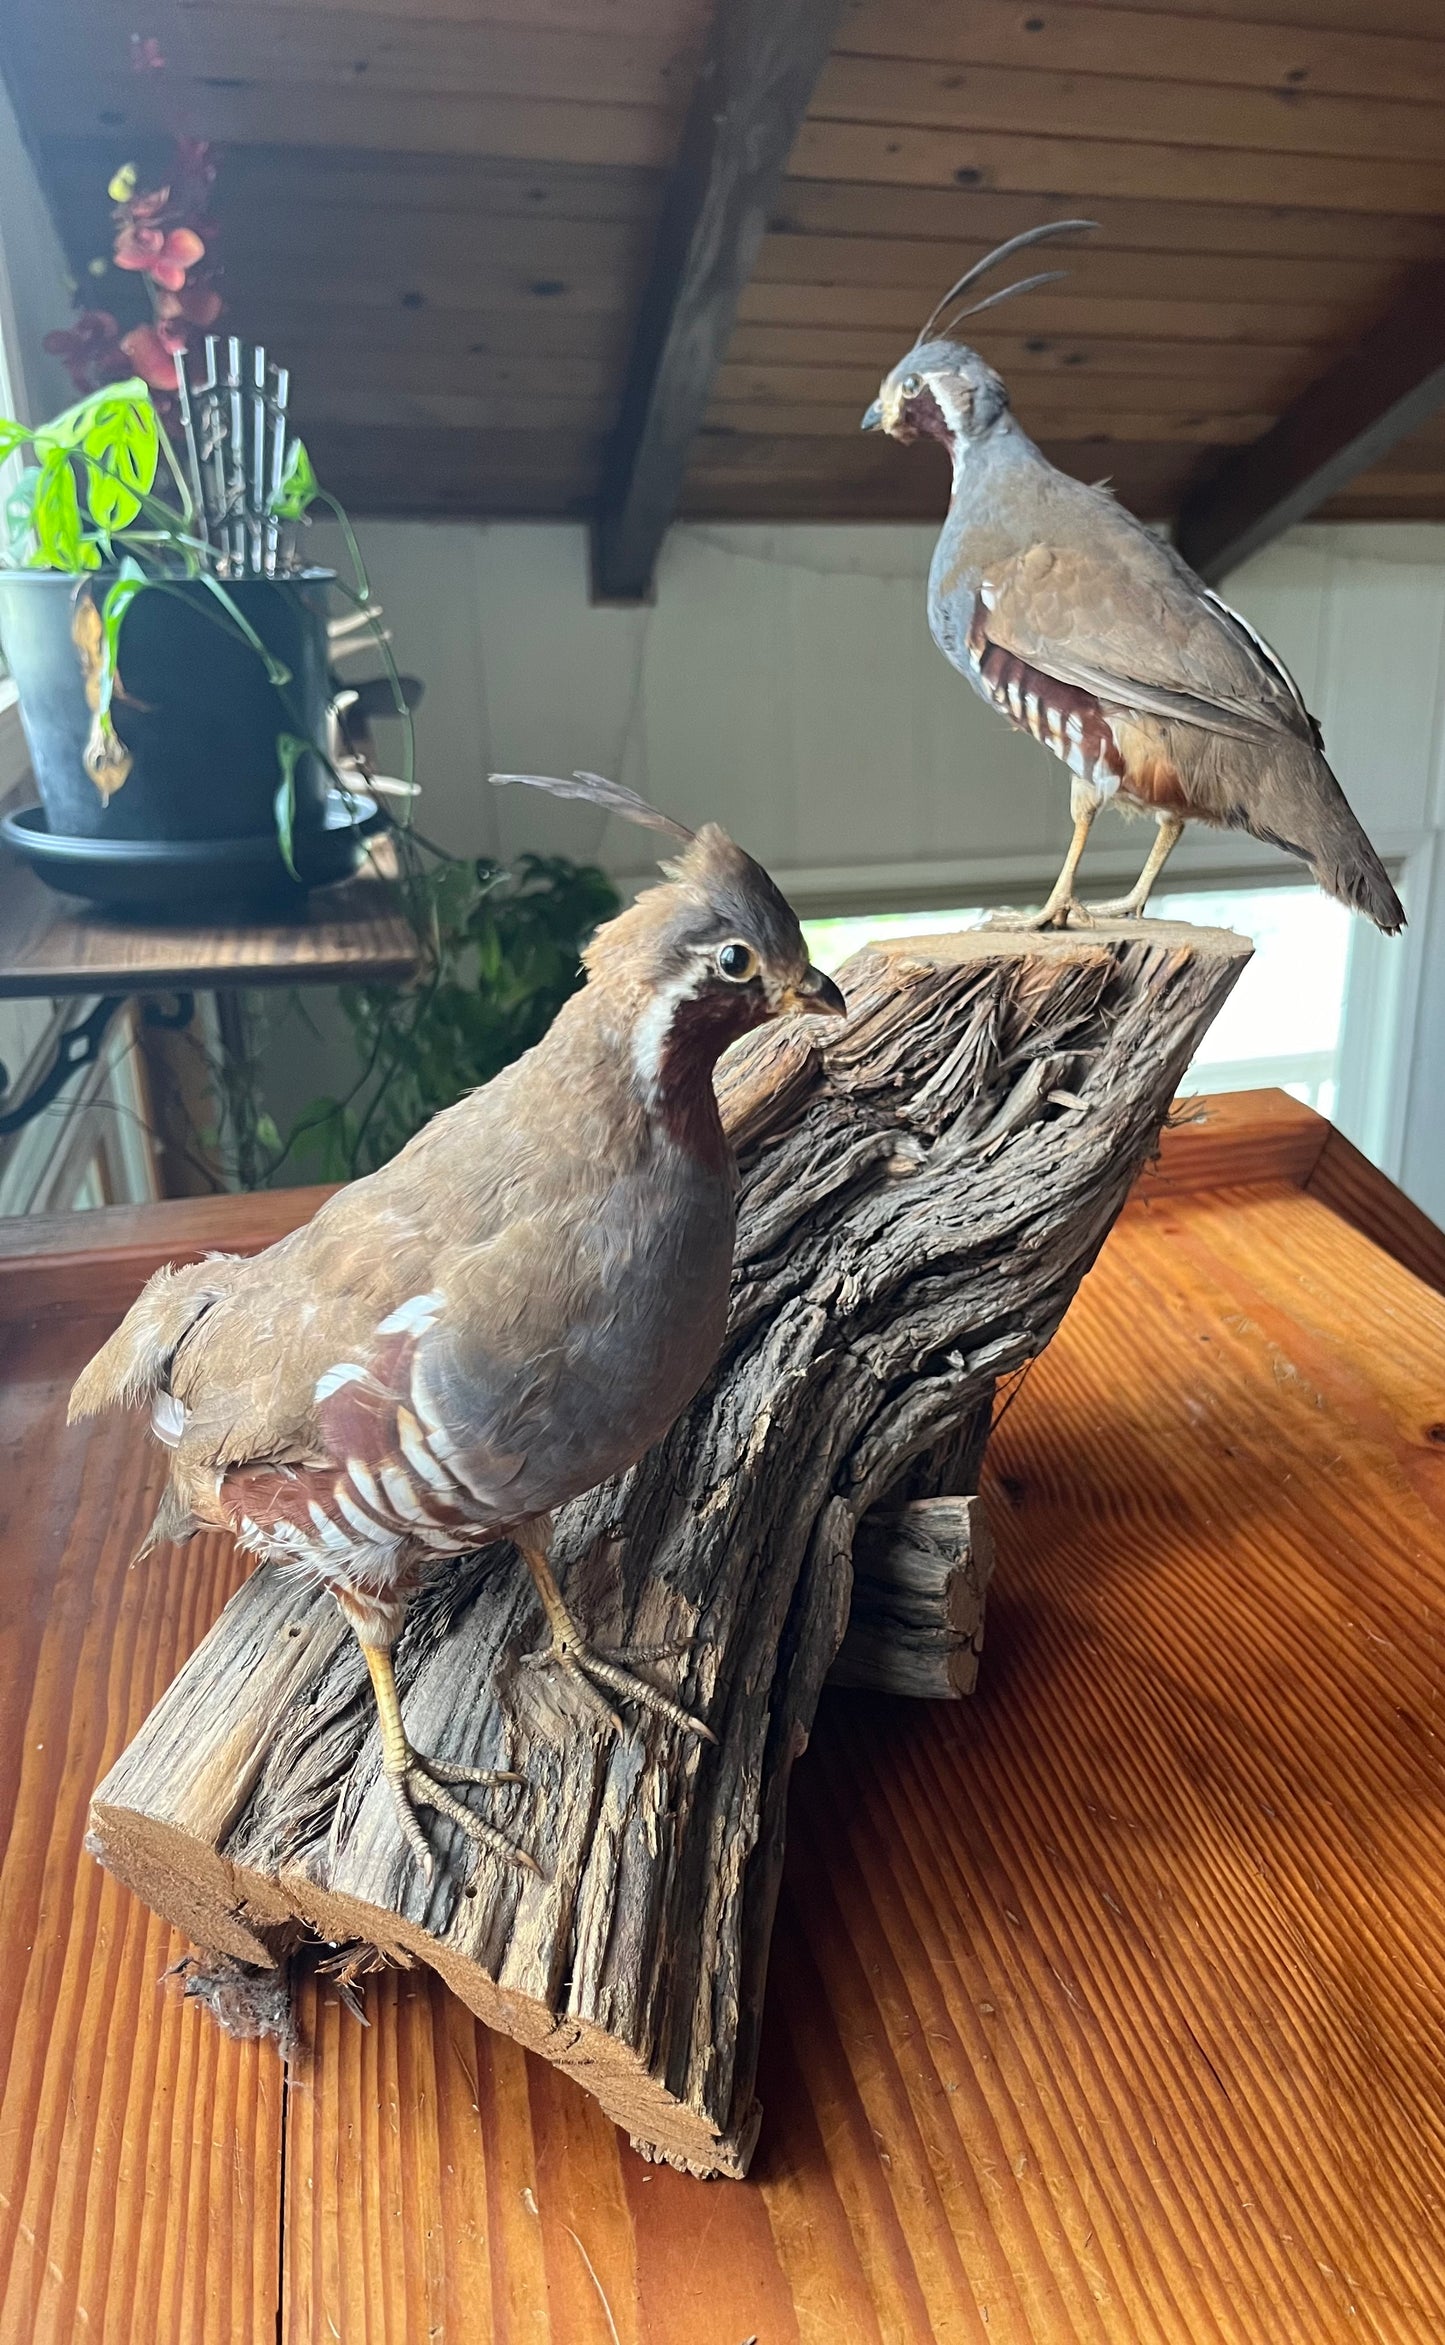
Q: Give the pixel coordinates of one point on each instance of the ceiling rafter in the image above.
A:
(1373, 396)
(762, 63)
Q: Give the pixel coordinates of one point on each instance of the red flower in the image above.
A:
(163, 255)
(200, 305)
(91, 350)
(152, 352)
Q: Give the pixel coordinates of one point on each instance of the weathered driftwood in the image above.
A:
(919, 1204)
(915, 1617)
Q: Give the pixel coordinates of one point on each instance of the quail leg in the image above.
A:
(414, 1779)
(591, 1670)
(1131, 907)
(1061, 909)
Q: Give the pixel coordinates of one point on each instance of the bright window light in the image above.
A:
(1280, 1026)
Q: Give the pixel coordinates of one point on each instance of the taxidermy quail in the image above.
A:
(510, 1311)
(1089, 632)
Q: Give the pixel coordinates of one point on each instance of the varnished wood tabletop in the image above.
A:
(352, 933)
(1105, 2007)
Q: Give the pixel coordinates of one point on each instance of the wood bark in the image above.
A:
(922, 1191)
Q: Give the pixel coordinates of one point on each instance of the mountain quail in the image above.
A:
(510, 1311)
(1087, 631)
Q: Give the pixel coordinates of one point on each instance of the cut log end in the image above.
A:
(922, 1190)
(920, 1576)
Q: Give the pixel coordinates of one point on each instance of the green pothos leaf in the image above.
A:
(118, 600)
(299, 485)
(290, 749)
(121, 446)
(69, 429)
(60, 540)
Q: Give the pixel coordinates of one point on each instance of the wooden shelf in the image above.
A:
(1105, 2005)
(349, 934)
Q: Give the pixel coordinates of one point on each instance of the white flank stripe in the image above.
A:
(327, 1531)
(345, 1372)
(413, 1317)
(363, 1524)
(365, 1487)
(402, 1495)
(168, 1419)
(415, 1450)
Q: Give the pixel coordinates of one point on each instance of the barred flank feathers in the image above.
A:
(133, 1365)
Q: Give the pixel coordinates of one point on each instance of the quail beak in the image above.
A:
(814, 996)
(872, 418)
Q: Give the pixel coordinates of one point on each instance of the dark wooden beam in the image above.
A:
(763, 60)
(1375, 395)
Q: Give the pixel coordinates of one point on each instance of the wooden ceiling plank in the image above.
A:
(1092, 268)
(872, 349)
(490, 286)
(335, 331)
(1053, 310)
(286, 180)
(375, 241)
(762, 64)
(678, 21)
(1370, 399)
(961, 216)
(1052, 419)
(271, 114)
(1250, 378)
(365, 403)
(1102, 106)
(900, 156)
(1416, 18)
(337, 49)
(1161, 45)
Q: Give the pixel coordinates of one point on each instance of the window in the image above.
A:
(1281, 1025)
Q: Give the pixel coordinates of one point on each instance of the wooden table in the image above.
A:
(352, 933)
(1107, 2006)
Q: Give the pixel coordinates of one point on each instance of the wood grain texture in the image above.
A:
(50, 945)
(1262, 176)
(140, 2155)
(1372, 398)
(1359, 60)
(1103, 2006)
(916, 1613)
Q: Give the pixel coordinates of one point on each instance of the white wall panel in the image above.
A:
(784, 682)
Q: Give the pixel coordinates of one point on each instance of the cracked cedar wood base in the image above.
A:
(920, 1200)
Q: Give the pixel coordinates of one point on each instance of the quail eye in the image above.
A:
(737, 962)
(911, 385)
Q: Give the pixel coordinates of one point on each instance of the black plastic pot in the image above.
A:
(200, 720)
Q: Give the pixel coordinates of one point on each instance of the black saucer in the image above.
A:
(177, 878)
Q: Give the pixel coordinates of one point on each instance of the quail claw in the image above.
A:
(424, 1782)
(589, 1670)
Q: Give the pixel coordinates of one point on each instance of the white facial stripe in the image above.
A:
(649, 1035)
(955, 403)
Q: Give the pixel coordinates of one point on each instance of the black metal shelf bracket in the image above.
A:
(80, 1046)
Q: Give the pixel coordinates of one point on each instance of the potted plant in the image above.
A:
(171, 655)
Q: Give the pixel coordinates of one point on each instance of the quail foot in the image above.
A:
(508, 1313)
